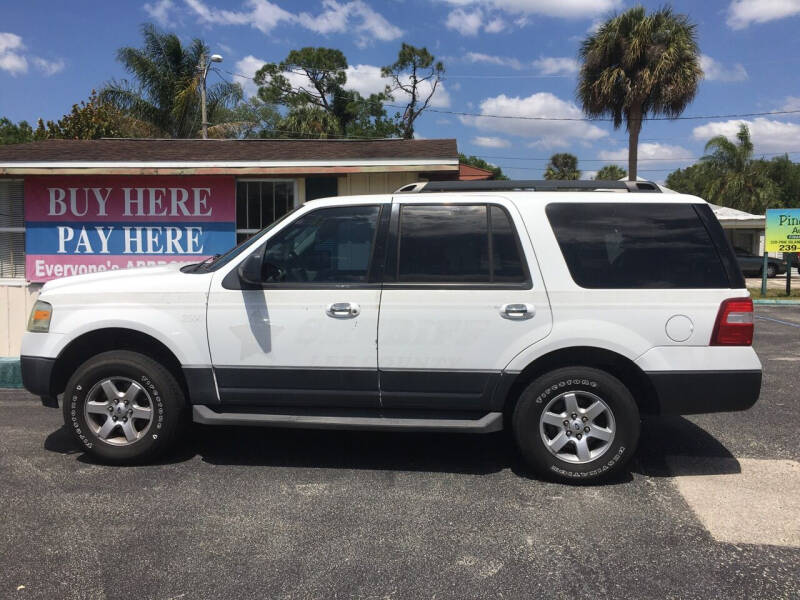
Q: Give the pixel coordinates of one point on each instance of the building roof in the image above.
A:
(470, 173)
(257, 156)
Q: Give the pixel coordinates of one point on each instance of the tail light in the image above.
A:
(734, 326)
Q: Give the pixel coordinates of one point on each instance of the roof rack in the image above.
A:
(530, 185)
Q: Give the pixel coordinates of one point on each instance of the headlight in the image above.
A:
(39, 320)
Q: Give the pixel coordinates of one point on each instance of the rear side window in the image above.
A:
(458, 244)
(616, 245)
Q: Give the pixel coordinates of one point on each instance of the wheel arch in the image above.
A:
(96, 341)
(612, 362)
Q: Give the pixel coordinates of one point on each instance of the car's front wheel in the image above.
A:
(772, 271)
(576, 424)
(123, 407)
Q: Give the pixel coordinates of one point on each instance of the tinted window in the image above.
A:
(615, 245)
(330, 245)
(506, 257)
(444, 244)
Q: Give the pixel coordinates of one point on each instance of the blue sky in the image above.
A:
(508, 57)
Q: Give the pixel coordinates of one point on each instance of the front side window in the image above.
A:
(617, 246)
(329, 245)
(458, 244)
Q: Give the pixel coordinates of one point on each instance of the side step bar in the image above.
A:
(490, 422)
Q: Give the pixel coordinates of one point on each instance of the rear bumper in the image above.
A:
(36, 374)
(695, 392)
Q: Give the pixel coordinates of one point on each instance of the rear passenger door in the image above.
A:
(462, 296)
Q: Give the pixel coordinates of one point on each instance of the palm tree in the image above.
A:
(611, 173)
(562, 166)
(165, 91)
(637, 65)
(739, 181)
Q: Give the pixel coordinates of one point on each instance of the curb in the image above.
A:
(771, 301)
(10, 373)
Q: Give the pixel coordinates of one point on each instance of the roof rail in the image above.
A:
(529, 185)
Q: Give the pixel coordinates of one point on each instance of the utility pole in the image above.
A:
(203, 68)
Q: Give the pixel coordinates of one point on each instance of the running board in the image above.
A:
(490, 422)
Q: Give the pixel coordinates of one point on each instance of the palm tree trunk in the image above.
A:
(634, 127)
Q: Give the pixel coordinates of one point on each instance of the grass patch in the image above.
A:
(755, 293)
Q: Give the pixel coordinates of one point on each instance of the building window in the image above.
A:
(12, 229)
(261, 202)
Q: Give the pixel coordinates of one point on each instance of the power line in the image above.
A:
(525, 118)
(609, 160)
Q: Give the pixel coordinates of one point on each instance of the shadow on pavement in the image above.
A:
(423, 452)
(692, 450)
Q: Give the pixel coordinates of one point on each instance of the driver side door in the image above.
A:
(306, 336)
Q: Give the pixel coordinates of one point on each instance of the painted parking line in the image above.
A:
(778, 321)
(742, 501)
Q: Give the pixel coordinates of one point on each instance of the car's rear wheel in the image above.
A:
(772, 271)
(123, 407)
(576, 424)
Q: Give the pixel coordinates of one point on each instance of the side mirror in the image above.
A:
(250, 269)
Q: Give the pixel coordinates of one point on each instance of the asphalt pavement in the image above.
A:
(708, 510)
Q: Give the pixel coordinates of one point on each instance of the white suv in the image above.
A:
(561, 310)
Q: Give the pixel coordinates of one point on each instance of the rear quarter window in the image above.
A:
(629, 245)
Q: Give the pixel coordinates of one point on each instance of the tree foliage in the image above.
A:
(475, 161)
(741, 182)
(562, 166)
(728, 175)
(636, 65)
(90, 120)
(416, 73)
(310, 85)
(15, 133)
(165, 87)
(611, 173)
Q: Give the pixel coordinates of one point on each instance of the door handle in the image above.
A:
(343, 310)
(517, 311)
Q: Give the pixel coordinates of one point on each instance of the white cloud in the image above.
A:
(356, 16)
(549, 8)
(588, 174)
(545, 133)
(768, 135)
(496, 25)
(14, 61)
(502, 61)
(248, 66)
(791, 103)
(336, 17)
(649, 150)
(556, 65)
(366, 80)
(715, 71)
(48, 67)
(465, 23)
(742, 13)
(11, 59)
(490, 142)
(159, 11)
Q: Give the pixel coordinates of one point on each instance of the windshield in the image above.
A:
(221, 260)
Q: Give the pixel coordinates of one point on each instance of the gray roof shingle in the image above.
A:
(158, 150)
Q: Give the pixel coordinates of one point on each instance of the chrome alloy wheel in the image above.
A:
(118, 410)
(577, 427)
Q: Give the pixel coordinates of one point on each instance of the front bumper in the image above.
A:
(37, 374)
(695, 392)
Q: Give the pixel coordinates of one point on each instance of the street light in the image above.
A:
(215, 58)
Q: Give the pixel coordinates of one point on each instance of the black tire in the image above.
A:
(772, 271)
(587, 382)
(163, 394)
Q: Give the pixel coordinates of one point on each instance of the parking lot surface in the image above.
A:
(708, 510)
